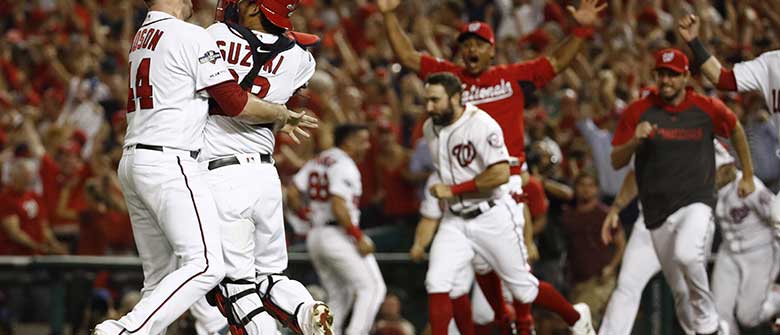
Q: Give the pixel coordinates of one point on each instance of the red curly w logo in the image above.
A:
(464, 153)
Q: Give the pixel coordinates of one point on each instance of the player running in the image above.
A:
(174, 66)
(732, 285)
(671, 132)
(472, 164)
(341, 254)
(501, 92)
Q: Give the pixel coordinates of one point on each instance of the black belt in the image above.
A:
(193, 154)
(232, 160)
(332, 223)
(468, 215)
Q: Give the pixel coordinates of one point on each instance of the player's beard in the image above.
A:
(668, 98)
(444, 118)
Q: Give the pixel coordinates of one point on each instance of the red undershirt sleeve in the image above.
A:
(727, 81)
(230, 98)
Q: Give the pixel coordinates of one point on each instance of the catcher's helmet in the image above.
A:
(277, 11)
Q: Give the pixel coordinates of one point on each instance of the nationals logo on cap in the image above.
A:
(672, 59)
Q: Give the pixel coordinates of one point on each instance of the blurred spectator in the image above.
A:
(591, 266)
(401, 204)
(600, 143)
(64, 173)
(25, 225)
(389, 320)
(537, 203)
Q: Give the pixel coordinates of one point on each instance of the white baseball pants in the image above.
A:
(639, 265)
(742, 285)
(208, 319)
(249, 201)
(682, 244)
(496, 236)
(351, 280)
(173, 216)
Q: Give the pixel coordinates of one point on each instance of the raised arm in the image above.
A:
(586, 16)
(723, 78)
(400, 43)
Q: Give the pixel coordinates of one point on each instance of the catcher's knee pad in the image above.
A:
(288, 319)
(226, 297)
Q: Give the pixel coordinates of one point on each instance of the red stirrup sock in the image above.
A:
(439, 312)
(461, 310)
(525, 321)
(491, 288)
(550, 299)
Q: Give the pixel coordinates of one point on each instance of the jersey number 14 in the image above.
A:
(143, 89)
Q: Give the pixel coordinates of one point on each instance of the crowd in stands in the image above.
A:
(63, 90)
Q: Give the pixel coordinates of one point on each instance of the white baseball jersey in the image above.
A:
(744, 221)
(762, 74)
(276, 82)
(333, 172)
(464, 149)
(169, 60)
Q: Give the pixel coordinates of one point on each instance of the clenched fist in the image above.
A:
(644, 130)
(688, 27)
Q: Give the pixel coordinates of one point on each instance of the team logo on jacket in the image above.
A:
(464, 153)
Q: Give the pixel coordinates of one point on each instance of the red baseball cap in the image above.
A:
(279, 11)
(478, 28)
(672, 59)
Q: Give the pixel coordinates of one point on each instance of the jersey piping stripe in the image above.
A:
(519, 237)
(205, 252)
(155, 21)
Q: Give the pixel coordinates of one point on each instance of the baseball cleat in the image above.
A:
(583, 326)
(322, 320)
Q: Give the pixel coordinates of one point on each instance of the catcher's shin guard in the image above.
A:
(287, 319)
(228, 304)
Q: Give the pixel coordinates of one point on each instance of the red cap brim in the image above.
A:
(670, 67)
(277, 19)
(304, 39)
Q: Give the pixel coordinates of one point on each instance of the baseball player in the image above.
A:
(244, 181)
(671, 132)
(761, 74)
(472, 164)
(431, 214)
(340, 252)
(743, 291)
(174, 67)
(498, 90)
(639, 265)
(464, 311)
